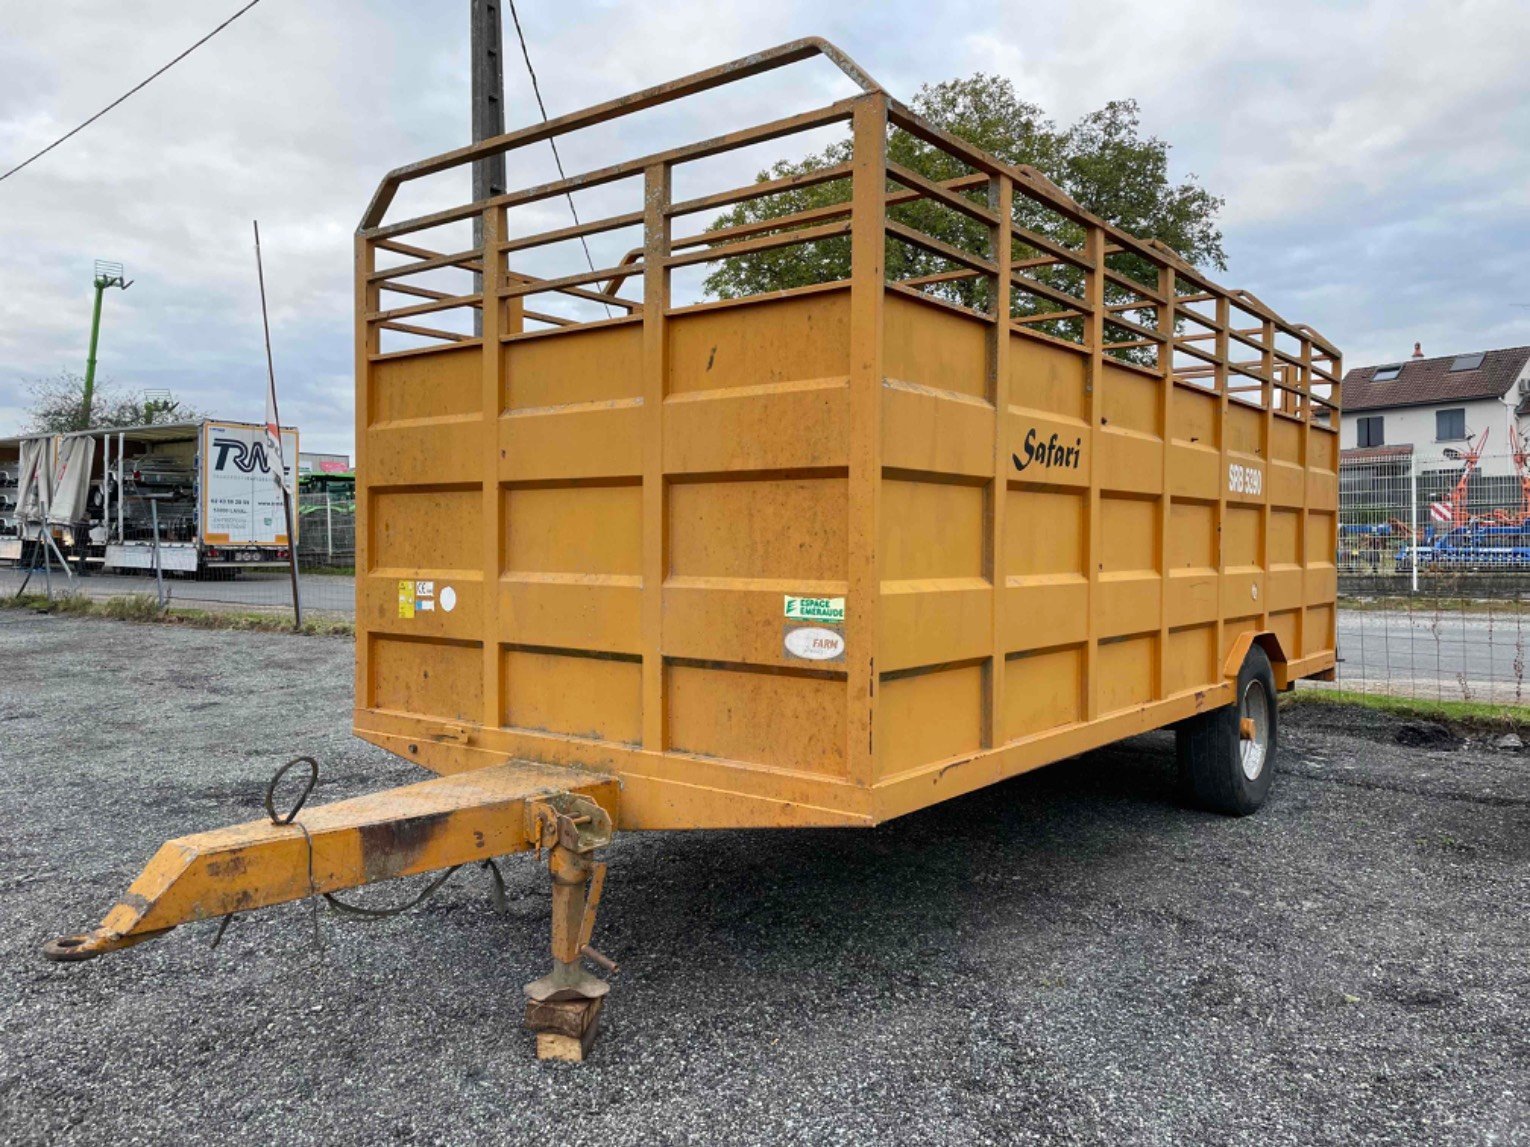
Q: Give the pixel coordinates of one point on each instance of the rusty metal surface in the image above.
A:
(437, 824)
(697, 82)
(571, 826)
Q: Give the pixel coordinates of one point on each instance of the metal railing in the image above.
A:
(326, 530)
(1068, 277)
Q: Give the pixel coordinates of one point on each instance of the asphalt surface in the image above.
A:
(1068, 957)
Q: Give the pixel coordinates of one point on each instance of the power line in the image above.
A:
(537, 91)
(134, 90)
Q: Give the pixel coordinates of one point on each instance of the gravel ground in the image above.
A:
(1067, 957)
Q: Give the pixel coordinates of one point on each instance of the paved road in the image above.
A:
(1068, 957)
(249, 590)
(1430, 653)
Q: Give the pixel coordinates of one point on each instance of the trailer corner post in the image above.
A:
(1001, 202)
(1413, 511)
(868, 276)
(657, 250)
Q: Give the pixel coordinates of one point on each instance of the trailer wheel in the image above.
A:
(1227, 757)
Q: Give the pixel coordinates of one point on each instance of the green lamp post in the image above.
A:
(107, 275)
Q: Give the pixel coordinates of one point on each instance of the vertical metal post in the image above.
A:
(159, 573)
(868, 302)
(106, 497)
(292, 556)
(1223, 377)
(1168, 287)
(1094, 342)
(488, 102)
(368, 336)
(107, 275)
(1274, 398)
(1413, 512)
(655, 371)
(121, 449)
(90, 359)
(329, 529)
(1303, 538)
(1001, 201)
(275, 428)
(494, 536)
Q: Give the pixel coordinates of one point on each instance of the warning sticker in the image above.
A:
(830, 609)
(417, 597)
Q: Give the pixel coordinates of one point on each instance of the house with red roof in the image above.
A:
(1436, 408)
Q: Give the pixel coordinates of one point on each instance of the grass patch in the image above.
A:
(134, 607)
(1486, 716)
(140, 607)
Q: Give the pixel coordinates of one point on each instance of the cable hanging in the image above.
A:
(133, 91)
(537, 91)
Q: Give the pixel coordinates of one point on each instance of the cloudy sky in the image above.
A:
(1375, 156)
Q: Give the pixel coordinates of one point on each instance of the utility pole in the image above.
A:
(107, 275)
(488, 121)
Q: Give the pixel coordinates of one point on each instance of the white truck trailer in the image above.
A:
(199, 494)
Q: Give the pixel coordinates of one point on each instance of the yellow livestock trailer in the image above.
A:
(817, 556)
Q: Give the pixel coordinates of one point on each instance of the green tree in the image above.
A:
(58, 405)
(1103, 161)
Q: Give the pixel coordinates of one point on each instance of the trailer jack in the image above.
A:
(563, 1007)
(465, 818)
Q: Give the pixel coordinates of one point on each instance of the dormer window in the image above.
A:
(1386, 373)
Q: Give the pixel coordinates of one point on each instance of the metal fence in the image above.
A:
(326, 594)
(1434, 572)
(1405, 513)
(1435, 646)
(327, 530)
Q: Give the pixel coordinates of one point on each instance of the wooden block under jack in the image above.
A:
(565, 1028)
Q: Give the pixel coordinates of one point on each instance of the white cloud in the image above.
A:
(1373, 155)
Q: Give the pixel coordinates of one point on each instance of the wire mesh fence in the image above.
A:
(261, 591)
(327, 530)
(1434, 571)
(1448, 511)
(1434, 646)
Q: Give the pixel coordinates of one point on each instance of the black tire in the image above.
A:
(1209, 747)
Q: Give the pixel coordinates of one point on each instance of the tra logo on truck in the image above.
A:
(1050, 454)
(248, 457)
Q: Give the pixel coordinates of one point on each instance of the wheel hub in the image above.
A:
(1253, 729)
